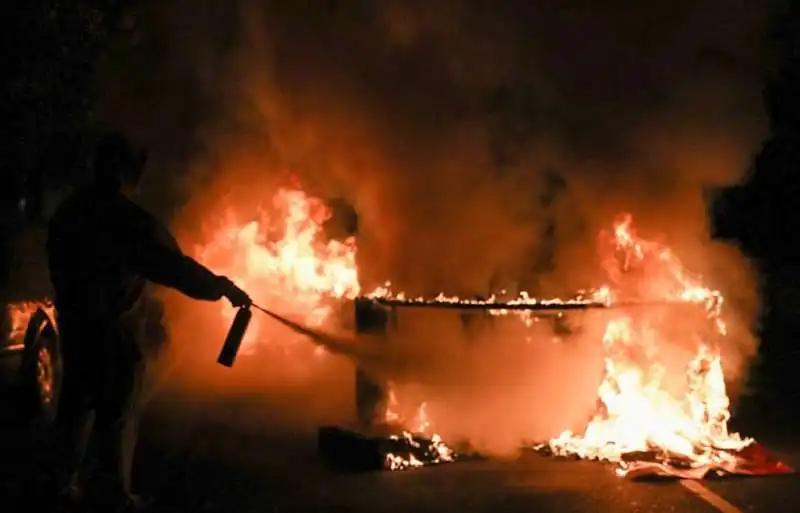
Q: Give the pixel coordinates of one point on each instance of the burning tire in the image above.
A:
(40, 372)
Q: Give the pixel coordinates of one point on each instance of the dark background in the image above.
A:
(52, 46)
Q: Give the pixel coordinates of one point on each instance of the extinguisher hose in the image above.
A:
(344, 346)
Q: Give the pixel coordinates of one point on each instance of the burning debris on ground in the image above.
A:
(685, 436)
(414, 446)
(353, 451)
(391, 449)
(391, 444)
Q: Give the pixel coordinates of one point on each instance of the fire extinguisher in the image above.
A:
(233, 341)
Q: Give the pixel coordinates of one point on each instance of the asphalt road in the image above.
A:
(194, 459)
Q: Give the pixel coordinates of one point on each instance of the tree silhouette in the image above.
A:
(761, 213)
(53, 47)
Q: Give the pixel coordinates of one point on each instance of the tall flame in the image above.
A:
(284, 261)
(636, 411)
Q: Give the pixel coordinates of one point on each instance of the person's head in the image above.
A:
(118, 164)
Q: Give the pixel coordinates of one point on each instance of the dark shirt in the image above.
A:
(102, 249)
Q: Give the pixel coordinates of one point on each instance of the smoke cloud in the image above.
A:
(460, 131)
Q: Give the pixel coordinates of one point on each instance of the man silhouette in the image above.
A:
(102, 249)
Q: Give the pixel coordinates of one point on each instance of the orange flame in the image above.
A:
(420, 425)
(19, 316)
(283, 260)
(637, 412)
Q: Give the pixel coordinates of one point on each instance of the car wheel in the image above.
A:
(41, 378)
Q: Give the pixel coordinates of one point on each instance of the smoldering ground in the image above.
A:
(483, 144)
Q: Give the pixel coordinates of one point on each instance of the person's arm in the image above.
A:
(165, 266)
(154, 253)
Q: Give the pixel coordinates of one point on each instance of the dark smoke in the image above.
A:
(484, 144)
(443, 121)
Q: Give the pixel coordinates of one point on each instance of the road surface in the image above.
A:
(198, 461)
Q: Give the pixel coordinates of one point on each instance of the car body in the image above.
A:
(30, 345)
(30, 356)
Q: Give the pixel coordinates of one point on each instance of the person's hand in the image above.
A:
(235, 295)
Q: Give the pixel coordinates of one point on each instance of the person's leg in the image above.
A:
(73, 435)
(73, 427)
(117, 429)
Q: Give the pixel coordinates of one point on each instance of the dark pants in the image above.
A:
(101, 392)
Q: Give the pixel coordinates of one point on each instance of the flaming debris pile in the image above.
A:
(635, 412)
(417, 446)
(393, 444)
(639, 423)
(414, 450)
